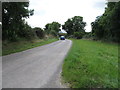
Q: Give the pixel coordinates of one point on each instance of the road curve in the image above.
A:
(39, 67)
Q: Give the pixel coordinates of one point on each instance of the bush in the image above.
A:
(53, 32)
(78, 35)
(39, 32)
(87, 35)
(30, 34)
(25, 32)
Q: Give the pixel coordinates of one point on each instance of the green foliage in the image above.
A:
(26, 31)
(87, 35)
(78, 35)
(107, 26)
(52, 28)
(53, 32)
(39, 32)
(68, 26)
(13, 24)
(74, 24)
(91, 64)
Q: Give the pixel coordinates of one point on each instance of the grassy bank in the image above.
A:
(8, 48)
(91, 64)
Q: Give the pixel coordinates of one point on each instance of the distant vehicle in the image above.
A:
(62, 37)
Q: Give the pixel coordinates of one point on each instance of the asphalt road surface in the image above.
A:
(39, 67)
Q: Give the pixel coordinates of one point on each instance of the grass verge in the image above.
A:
(8, 48)
(91, 64)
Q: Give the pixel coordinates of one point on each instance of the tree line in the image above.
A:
(14, 26)
(107, 26)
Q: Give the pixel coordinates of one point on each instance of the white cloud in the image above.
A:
(47, 11)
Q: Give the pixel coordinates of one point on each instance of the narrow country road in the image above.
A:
(39, 67)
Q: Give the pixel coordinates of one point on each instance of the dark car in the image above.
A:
(62, 37)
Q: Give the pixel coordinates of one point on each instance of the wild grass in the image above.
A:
(91, 64)
(13, 47)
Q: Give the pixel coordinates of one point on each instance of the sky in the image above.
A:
(47, 11)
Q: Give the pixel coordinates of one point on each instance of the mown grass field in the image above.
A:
(91, 64)
(8, 48)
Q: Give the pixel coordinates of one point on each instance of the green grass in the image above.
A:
(8, 48)
(91, 64)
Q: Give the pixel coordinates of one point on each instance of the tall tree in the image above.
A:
(13, 14)
(107, 26)
(52, 28)
(74, 25)
(68, 26)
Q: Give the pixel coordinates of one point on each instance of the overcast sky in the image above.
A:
(47, 11)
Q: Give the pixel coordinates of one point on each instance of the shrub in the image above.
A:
(40, 33)
(78, 35)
